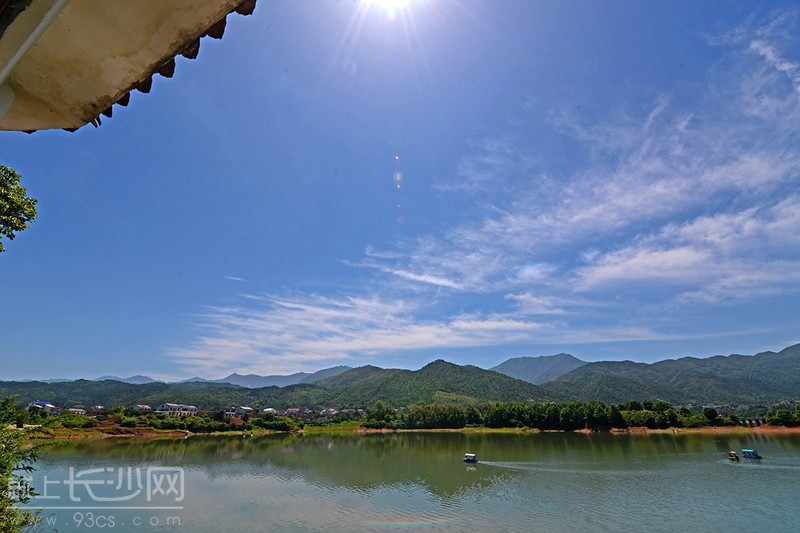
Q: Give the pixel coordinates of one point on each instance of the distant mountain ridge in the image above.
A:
(439, 382)
(733, 379)
(133, 380)
(538, 370)
(535, 370)
(252, 381)
(767, 377)
(255, 381)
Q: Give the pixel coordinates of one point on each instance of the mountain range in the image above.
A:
(439, 382)
(252, 381)
(767, 377)
(133, 380)
(536, 370)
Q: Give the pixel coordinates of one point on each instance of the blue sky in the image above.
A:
(359, 183)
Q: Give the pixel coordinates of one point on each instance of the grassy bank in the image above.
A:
(44, 434)
(58, 434)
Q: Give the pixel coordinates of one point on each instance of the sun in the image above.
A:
(391, 8)
(399, 16)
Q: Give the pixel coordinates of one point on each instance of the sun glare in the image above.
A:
(391, 8)
(400, 30)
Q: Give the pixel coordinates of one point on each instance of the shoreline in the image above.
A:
(146, 434)
(776, 430)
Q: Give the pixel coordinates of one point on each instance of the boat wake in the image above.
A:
(532, 466)
(513, 465)
(762, 466)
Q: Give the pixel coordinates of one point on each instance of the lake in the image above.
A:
(384, 482)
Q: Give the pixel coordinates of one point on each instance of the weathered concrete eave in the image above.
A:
(66, 62)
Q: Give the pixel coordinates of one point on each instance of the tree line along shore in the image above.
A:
(568, 416)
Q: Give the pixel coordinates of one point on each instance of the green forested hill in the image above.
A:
(733, 379)
(736, 379)
(439, 382)
(110, 393)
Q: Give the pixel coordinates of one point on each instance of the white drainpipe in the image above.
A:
(6, 92)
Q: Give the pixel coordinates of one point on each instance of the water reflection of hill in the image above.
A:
(430, 460)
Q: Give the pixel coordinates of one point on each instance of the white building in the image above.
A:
(46, 407)
(176, 409)
(240, 411)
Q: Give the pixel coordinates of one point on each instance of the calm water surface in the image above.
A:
(532, 482)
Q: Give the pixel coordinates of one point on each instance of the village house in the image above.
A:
(45, 407)
(176, 409)
(239, 412)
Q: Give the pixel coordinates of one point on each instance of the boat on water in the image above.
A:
(750, 454)
(470, 458)
(733, 456)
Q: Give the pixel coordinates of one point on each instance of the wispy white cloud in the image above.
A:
(490, 164)
(742, 255)
(531, 304)
(407, 275)
(646, 177)
(286, 334)
(774, 60)
(685, 202)
(632, 265)
(660, 107)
